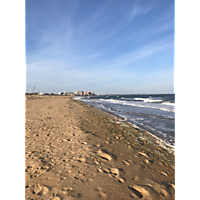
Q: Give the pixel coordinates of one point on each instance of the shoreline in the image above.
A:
(76, 151)
(157, 140)
(141, 134)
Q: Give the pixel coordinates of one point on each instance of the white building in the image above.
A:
(80, 93)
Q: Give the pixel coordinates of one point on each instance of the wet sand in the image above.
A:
(75, 151)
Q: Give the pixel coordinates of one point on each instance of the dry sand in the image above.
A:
(75, 151)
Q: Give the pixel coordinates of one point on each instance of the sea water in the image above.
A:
(154, 113)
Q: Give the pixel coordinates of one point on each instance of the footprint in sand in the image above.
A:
(138, 191)
(146, 161)
(163, 173)
(121, 180)
(35, 170)
(81, 159)
(114, 171)
(135, 178)
(102, 195)
(103, 155)
(106, 170)
(40, 189)
(96, 162)
(126, 162)
(99, 170)
(143, 154)
(158, 188)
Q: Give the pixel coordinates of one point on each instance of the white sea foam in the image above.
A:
(148, 100)
(164, 107)
(128, 98)
(78, 98)
(168, 103)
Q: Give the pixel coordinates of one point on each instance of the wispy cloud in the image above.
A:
(143, 52)
(35, 64)
(90, 42)
(138, 8)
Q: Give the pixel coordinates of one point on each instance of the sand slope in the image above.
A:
(74, 151)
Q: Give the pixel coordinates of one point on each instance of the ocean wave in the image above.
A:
(78, 98)
(151, 119)
(168, 103)
(130, 99)
(149, 100)
(168, 107)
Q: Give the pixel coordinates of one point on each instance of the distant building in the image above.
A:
(31, 93)
(60, 93)
(88, 93)
(79, 93)
(68, 93)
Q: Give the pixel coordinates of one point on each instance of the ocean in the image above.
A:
(154, 113)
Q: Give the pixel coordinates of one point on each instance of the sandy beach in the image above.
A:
(75, 151)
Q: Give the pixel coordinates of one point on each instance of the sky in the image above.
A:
(107, 47)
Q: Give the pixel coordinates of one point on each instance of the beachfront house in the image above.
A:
(88, 93)
(79, 93)
(69, 93)
(60, 93)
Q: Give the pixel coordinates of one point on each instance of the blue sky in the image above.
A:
(103, 46)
